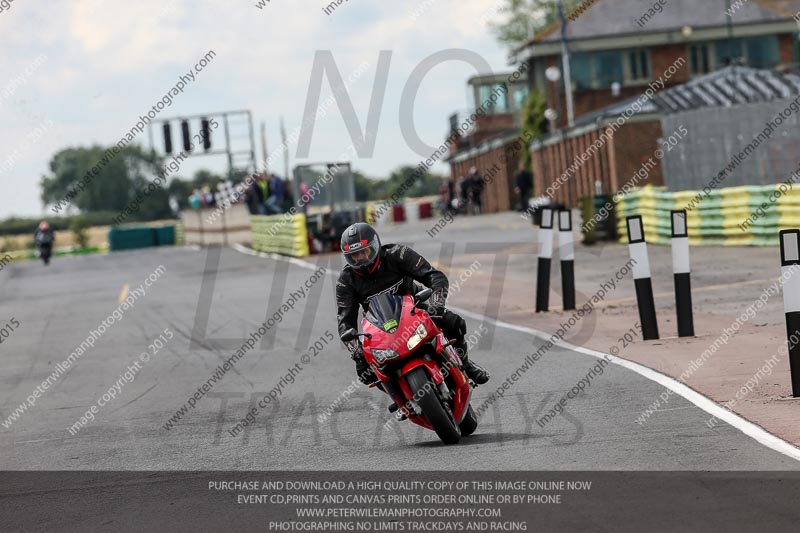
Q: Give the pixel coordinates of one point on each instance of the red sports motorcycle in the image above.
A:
(416, 365)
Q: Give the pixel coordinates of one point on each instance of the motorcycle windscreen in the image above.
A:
(384, 311)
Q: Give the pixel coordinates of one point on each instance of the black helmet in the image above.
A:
(361, 247)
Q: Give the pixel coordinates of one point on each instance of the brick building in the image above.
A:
(619, 48)
(610, 43)
(491, 144)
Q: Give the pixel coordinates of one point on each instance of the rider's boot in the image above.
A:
(475, 372)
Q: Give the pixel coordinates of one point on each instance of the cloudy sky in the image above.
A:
(79, 72)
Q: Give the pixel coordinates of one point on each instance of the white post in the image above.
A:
(637, 247)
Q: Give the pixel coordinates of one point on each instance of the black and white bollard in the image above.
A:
(641, 278)
(545, 258)
(790, 280)
(566, 252)
(681, 270)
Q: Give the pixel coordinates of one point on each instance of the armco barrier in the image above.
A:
(398, 213)
(380, 213)
(180, 238)
(425, 210)
(718, 219)
(280, 234)
(411, 211)
(133, 237)
(165, 235)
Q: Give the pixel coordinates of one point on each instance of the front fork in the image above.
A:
(399, 391)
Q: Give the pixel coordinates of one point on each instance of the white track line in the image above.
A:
(750, 429)
(706, 404)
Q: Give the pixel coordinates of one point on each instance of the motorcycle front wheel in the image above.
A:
(438, 415)
(470, 423)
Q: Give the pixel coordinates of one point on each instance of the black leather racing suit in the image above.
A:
(399, 268)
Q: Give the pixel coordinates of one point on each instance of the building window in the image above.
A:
(608, 68)
(485, 96)
(729, 51)
(581, 70)
(638, 66)
(762, 52)
(699, 59)
(756, 52)
(596, 70)
(520, 95)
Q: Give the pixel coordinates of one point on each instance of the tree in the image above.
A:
(110, 189)
(371, 189)
(78, 226)
(204, 177)
(180, 189)
(363, 186)
(117, 181)
(534, 122)
(518, 17)
(422, 185)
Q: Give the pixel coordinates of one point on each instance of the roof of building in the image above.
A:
(497, 77)
(487, 145)
(722, 88)
(727, 87)
(610, 18)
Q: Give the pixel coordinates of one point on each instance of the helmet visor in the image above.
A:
(361, 254)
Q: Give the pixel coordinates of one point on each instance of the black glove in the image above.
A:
(365, 373)
(363, 370)
(436, 303)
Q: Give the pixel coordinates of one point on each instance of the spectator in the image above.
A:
(451, 192)
(263, 186)
(252, 197)
(208, 197)
(476, 186)
(275, 198)
(523, 181)
(463, 190)
(304, 190)
(259, 192)
(288, 197)
(444, 196)
(195, 200)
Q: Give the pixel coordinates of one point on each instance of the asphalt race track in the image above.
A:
(218, 297)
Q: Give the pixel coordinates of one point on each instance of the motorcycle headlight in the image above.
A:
(384, 356)
(418, 336)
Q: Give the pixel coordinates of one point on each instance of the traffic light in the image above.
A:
(205, 133)
(167, 138)
(187, 136)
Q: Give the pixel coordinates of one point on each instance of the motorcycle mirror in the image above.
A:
(423, 295)
(349, 335)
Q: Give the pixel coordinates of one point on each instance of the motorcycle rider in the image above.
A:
(43, 238)
(374, 269)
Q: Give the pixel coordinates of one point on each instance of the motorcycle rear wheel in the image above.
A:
(440, 418)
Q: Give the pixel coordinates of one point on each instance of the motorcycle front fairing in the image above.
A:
(395, 333)
(392, 327)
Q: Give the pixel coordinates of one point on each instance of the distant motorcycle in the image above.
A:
(44, 246)
(416, 365)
